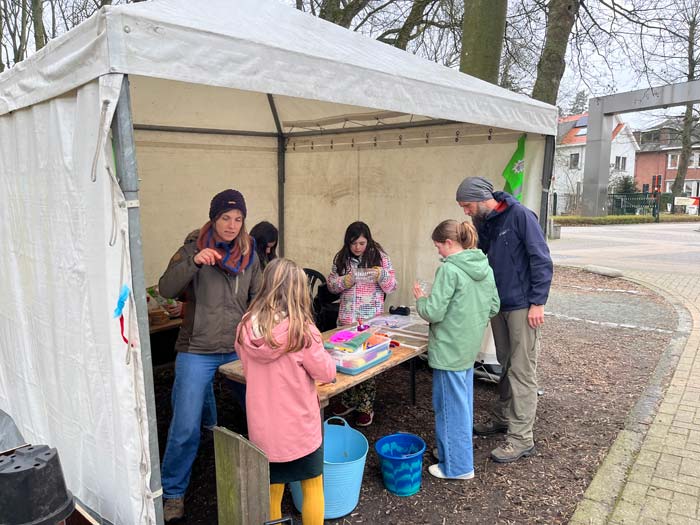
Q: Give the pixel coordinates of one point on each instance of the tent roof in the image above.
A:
(266, 47)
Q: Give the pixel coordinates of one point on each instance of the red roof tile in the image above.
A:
(572, 138)
(572, 118)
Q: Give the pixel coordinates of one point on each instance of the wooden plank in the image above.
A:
(400, 354)
(80, 516)
(242, 480)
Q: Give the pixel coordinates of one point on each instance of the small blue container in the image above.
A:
(401, 460)
(344, 454)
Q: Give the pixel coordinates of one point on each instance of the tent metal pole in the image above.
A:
(127, 174)
(547, 170)
(369, 129)
(204, 131)
(281, 174)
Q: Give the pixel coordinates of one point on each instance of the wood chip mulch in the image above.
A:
(591, 376)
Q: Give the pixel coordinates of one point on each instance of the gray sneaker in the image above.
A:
(508, 452)
(173, 509)
(490, 427)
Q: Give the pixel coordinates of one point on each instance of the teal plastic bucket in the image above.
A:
(344, 454)
(401, 461)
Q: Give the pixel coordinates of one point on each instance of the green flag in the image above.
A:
(514, 171)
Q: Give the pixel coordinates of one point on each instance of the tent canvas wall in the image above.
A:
(317, 126)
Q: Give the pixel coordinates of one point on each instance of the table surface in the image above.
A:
(167, 325)
(410, 346)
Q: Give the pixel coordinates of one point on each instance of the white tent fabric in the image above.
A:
(249, 45)
(64, 375)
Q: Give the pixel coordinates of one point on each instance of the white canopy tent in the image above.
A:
(318, 126)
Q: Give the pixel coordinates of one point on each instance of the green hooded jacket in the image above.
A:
(463, 299)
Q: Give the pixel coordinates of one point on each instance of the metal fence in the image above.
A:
(631, 204)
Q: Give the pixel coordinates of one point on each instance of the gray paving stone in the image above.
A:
(684, 505)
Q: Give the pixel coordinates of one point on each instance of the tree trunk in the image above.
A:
(332, 11)
(560, 19)
(38, 19)
(2, 16)
(483, 30)
(21, 48)
(684, 157)
(687, 133)
(411, 22)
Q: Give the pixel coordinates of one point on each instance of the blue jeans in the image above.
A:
(453, 403)
(194, 405)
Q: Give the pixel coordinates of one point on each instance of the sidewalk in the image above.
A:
(652, 472)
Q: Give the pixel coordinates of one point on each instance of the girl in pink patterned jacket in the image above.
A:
(362, 274)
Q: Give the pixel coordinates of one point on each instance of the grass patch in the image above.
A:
(576, 220)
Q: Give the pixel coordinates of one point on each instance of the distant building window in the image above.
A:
(573, 161)
(645, 188)
(694, 160)
(656, 183)
(651, 137)
(621, 163)
(673, 161)
(582, 132)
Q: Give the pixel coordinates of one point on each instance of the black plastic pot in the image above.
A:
(32, 487)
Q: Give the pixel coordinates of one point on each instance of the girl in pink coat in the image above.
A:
(283, 357)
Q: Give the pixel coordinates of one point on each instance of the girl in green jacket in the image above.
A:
(462, 300)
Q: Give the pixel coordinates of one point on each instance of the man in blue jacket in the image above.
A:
(512, 239)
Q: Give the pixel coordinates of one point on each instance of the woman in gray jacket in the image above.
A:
(216, 273)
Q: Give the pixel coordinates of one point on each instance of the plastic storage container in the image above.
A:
(364, 275)
(376, 351)
(344, 454)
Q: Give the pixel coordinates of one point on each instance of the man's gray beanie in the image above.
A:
(474, 189)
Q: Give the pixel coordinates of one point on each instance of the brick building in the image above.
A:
(657, 159)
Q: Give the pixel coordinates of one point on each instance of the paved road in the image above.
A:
(650, 475)
(673, 248)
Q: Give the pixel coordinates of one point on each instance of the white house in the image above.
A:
(569, 159)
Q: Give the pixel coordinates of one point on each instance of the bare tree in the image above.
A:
(667, 51)
(580, 103)
(16, 30)
(2, 21)
(341, 12)
(431, 28)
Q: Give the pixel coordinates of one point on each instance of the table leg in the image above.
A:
(412, 363)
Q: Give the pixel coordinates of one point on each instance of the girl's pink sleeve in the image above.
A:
(335, 281)
(316, 361)
(387, 279)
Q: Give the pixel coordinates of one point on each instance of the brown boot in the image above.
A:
(508, 452)
(490, 427)
(173, 509)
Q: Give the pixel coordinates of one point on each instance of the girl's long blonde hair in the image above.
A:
(462, 232)
(284, 293)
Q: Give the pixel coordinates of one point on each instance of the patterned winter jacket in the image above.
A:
(365, 298)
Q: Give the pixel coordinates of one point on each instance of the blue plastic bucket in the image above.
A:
(344, 454)
(401, 461)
